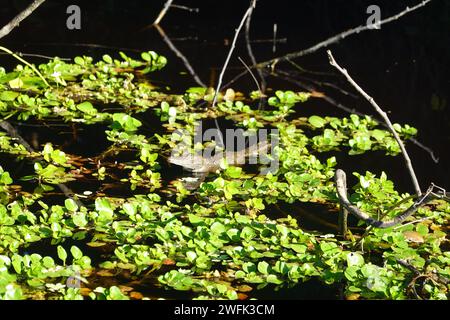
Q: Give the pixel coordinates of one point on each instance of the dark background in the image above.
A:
(404, 66)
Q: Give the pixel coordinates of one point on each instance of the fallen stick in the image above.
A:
(346, 206)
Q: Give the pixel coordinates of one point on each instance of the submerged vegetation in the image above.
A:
(119, 223)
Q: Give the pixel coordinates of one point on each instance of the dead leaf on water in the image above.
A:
(136, 295)
(353, 296)
(96, 244)
(242, 296)
(105, 273)
(244, 288)
(125, 289)
(168, 262)
(85, 291)
(413, 236)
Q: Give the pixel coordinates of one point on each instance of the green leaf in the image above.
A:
(354, 259)
(79, 61)
(76, 253)
(218, 228)
(87, 108)
(62, 254)
(116, 294)
(16, 83)
(107, 59)
(351, 273)
(299, 248)
(263, 267)
(271, 278)
(71, 205)
(48, 262)
(129, 208)
(422, 229)
(146, 56)
(103, 206)
(191, 255)
(316, 121)
(248, 233)
(8, 95)
(128, 123)
(233, 172)
(17, 263)
(5, 178)
(397, 127)
(79, 219)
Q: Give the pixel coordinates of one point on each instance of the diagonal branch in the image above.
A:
(20, 17)
(227, 60)
(174, 49)
(230, 52)
(385, 118)
(163, 12)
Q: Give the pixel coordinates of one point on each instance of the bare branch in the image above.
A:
(163, 12)
(196, 10)
(261, 88)
(230, 52)
(180, 55)
(20, 17)
(341, 36)
(385, 118)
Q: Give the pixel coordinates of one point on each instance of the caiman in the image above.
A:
(201, 165)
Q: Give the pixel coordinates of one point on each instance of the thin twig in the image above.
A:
(163, 12)
(413, 222)
(196, 10)
(230, 52)
(261, 88)
(27, 63)
(340, 36)
(180, 55)
(282, 75)
(261, 95)
(20, 17)
(251, 73)
(274, 44)
(88, 45)
(35, 55)
(427, 149)
(385, 118)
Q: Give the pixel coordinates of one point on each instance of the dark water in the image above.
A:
(404, 66)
